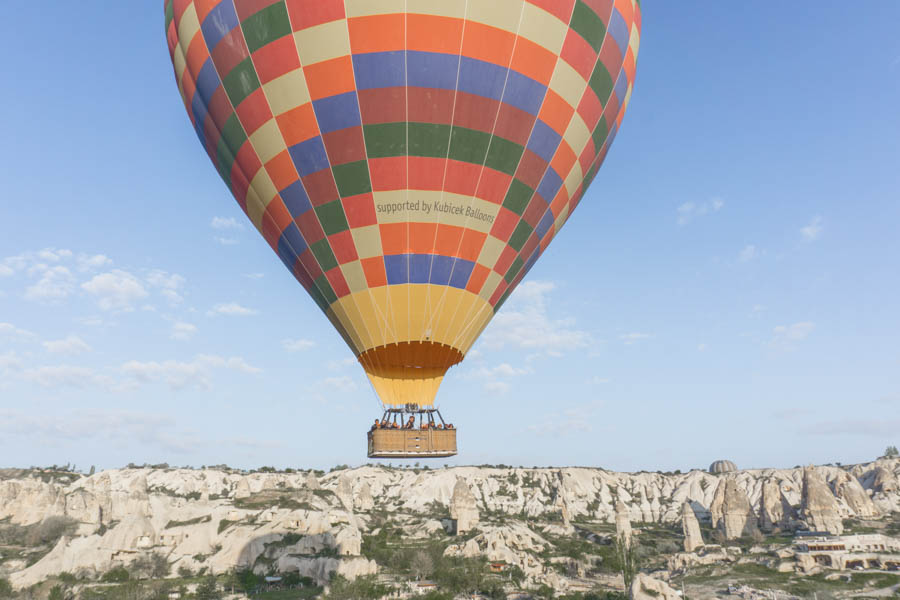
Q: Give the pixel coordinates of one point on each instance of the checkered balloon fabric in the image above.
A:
(408, 160)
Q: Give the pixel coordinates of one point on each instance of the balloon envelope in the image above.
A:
(408, 160)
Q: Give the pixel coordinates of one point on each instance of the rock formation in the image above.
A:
(731, 512)
(463, 508)
(364, 500)
(774, 509)
(623, 523)
(819, 507)
(344, 492)
(311, 481)
(644, 587)
(848, 489)
(884, 481)
(693, 539)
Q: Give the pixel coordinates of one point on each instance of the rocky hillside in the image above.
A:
(216, 520)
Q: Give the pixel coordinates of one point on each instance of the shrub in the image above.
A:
(208, 589)
(56, 593)
(6, 590)
(117, 575)
(361, 588)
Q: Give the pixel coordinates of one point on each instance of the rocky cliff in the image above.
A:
(219, 520)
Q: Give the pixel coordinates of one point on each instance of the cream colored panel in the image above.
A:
(255, 208)
(349, 324)
(323, 42)
(356, 278)
(263, 186)
(502, 14)
(268, 141)
(441, 8)
(490, 252)
(577, 135)
(568, 83)
(286, 92)
(367, 241)
(188, 25)
(542, 28)
(561, 219)
(574, 179)
(362, 8)
(179, 62)
(490, 285)
(634, 42)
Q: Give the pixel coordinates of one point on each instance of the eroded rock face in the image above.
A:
(731, 511)
(644, 587)
(774, 509)
(848, 489)
(818, 506)
(463, 507)
(364, 500)
(693, 539)
(623, 523)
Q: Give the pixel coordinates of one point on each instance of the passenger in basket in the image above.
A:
(376, 425)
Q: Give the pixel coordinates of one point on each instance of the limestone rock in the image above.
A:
(731, 512)
(242, 489)
(848, 489)
(818, 506)
(311, 482)
(364, 500)
(884, 481)
(623, 523)
(644, 587)
(463, 508)
(693, 539)
(774, 509)
(344, 492)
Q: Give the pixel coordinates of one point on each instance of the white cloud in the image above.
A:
(225, 223)
(10, 332)
(183, 331)
(92, 262)
(785, 335)
(495, 378)
(595, 380)
(168, 284)
(115, 290)
(342, 384)
(497, 387)
(225, 241)
(812, 231)
(524, 323)
(749, 253)
(577, 419)
(689, 211)
(864, 427)
(254, 275)
(180, 375)
(297, 345)
(65, 376)
(634, 337)
(9, 362)
(53, 255)
(55, 283)
(6, 270)
(231, 309)
(71, 346)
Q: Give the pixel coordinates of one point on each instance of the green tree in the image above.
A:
(891, 452)
(6, 590)
(117, 575)
(208, 589)
(56, 593)
(627, 557)
(361, 588)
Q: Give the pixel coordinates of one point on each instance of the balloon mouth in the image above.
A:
(410, 355)
(408, 372)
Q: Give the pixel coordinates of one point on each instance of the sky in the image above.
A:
(727, 289)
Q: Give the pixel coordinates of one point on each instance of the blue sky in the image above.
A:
(728, 288)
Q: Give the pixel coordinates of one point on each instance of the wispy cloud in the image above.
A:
(573, 420)
(524, 323)
(54, 283)
(225, 223)
(855, 427)
(689, 211)
(180, 375)
(226, 241)
(298, 345)
(813, 230)
(182, 331)
(748, 253)
(9, 332)
(169, 284)
(115, 290)
(59, 376)
(231, 309)
(634, 337)
(342, 383)
(71, 346)
(786, 335)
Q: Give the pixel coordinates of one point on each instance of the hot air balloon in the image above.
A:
(408, 160)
